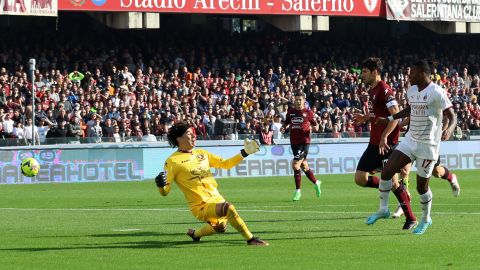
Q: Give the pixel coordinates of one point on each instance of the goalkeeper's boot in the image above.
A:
(255, 241)
(455, 185)
(422, 226)
(191, 233)
(296, 195)
(318, 191)
(378, 215)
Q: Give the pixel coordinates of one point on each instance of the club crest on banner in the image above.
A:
(370, 5)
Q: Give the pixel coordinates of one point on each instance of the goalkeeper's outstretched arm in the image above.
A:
(249, 147)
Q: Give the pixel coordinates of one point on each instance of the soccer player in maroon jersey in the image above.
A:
(298, 120)
(383, 138)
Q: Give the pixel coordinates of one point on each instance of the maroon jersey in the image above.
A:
(300, 121)
(381, 98)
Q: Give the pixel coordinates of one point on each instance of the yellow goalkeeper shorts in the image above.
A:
(207, 212)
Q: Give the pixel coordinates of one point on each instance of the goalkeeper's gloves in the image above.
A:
(249, 147)
(161, 180)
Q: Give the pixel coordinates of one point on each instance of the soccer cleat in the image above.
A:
(318, 191)
(398, 212)
(296, 195)
(422, 226)
(373, 218)
(255, 241)
(191, 233)
(455, 185)
(409, 224)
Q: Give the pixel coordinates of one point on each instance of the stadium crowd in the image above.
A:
(137, 90)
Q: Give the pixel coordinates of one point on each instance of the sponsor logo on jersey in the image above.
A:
(200, 157)
(297, 120)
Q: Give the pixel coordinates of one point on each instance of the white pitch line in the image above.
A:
(126, 230)
(187, 210)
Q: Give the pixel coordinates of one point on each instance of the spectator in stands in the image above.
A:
(74, 130)
(95, 133)
(28, 132)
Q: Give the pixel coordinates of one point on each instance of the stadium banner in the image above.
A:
(110, 162)
(73, 165)
(371, 8)
(29, 7)
(322, 158)
(433, 10)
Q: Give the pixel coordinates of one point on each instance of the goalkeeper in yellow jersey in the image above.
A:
(189, 168)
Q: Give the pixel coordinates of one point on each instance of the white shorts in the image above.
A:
(424, 154)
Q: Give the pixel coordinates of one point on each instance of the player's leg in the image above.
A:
(424, 171)
(298, 158)
(227, 210)
(395, 162)
(207, 212)
(368, 163)
(404, 201)
(404, 173)
(312, 178)
(442, 172)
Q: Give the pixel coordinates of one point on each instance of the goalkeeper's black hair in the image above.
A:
(424, 65)
(373, 63)
(176, 131)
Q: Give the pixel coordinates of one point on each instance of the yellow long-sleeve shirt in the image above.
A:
(191, 172)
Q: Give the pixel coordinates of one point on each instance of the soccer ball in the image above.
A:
(30, 167)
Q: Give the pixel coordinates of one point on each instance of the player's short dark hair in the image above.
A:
(373, 63)
(423, 65)
(176, 131)
(300, 94)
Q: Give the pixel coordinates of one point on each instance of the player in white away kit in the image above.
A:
(428, 107)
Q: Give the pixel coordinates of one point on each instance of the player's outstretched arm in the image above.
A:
(402, 114)
(360, 119)
(451, 118)
(249, 147)
(162, 184)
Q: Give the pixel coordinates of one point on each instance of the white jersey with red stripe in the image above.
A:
(426, 114)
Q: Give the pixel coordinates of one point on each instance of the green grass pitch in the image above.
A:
(128, 225)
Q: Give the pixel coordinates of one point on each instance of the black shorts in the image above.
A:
(300, 151)
(371, 160)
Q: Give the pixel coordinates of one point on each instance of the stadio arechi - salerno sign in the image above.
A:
(364, 8)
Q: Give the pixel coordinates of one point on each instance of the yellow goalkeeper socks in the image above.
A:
(237, 222)
(204, 231)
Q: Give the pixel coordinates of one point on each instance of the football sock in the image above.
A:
(404, 200)
(447, 175)
(384, 188)
(311, 176)
(204, 231)
(237, 222)
(297, 174)
(373, 181)
(426, 205)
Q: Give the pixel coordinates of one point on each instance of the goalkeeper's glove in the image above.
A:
(161, 180)
(249, 147)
